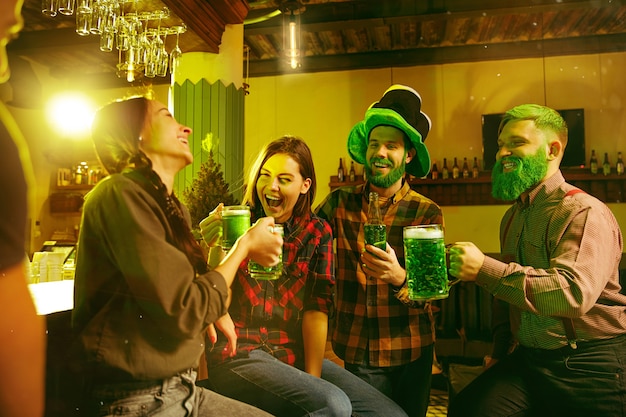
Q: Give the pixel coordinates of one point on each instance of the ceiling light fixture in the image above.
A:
(292, 47)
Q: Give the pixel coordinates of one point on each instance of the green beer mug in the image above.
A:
(425, 262)
(235, 222)
(268, 273)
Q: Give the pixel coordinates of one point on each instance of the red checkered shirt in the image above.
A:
(268, 314)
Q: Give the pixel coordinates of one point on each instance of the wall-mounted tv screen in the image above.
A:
(574, 155)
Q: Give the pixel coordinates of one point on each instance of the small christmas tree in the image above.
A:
(207, 191)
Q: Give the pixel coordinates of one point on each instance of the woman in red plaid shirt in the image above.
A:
(272, 355)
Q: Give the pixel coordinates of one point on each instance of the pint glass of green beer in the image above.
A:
(267, 273)
(425, 262)
(235, 222)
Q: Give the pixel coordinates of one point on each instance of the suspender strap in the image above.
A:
(568, 323)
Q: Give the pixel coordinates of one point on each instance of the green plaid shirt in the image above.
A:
(372, 317)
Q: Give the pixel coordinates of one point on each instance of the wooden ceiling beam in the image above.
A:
(447, 55)
(208, 19)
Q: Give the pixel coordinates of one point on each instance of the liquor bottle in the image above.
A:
(434, 173)
(593, 162)
(465, 168)
(352, 173)
(455, 169)
(78, 174)
(475, 169)
(374, 229)
(340, 172)
(606, 166)
(445, 174)
(619, 167)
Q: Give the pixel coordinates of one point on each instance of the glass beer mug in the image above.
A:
(267, 273)
(235, 222)
(425, 262)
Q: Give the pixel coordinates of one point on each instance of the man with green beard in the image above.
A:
(559, 318)
(380, 335)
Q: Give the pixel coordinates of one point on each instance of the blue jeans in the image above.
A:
(173, 397)
(588, 381)
(408, 385)
(285, 391)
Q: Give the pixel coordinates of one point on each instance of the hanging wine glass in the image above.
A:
(122, 40)
(161, 69)
(176, 53)
(49, 7)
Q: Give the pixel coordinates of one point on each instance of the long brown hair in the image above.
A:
(116, 133)
(297, 149)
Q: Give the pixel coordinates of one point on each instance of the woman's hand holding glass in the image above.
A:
(211, 227)
(264, 246)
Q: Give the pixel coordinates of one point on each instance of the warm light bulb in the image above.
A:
(293, 51)
(71, 114)
(292, 36)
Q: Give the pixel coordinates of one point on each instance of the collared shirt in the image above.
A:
(563, 255)
(370, 317)
(268, 314)
(140, 309)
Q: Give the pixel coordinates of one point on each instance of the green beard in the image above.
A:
(384, 181)
(529, 171)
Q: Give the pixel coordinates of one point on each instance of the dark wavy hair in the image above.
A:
(297, 149)
(116, 132)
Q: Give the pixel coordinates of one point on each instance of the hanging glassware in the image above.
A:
(124, 26)
(176, 53)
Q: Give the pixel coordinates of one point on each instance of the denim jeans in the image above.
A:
(173, 397)
(408, 385)
(588, 381)
(285, 391)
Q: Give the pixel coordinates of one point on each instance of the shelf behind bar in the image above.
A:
(477, 191)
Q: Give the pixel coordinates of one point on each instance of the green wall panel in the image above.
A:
(218, 110)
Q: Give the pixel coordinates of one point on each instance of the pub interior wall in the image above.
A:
(322, 108)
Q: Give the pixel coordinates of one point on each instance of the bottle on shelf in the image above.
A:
(374, 229)
(434, 172)
(340, 171)
(73, 174)
(445, 174)
(352, 173)
(455, 169)
(79, 175)
(466, 172)
(593, 162)
(475, 169)
(619, 166)
(606, 166)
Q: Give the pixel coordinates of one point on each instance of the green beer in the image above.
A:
(374, 229)
(235, 222)
(376, 234)
(425, 262)
(267, 273)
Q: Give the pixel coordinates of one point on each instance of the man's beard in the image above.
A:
(382, 180)
(529, 171)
